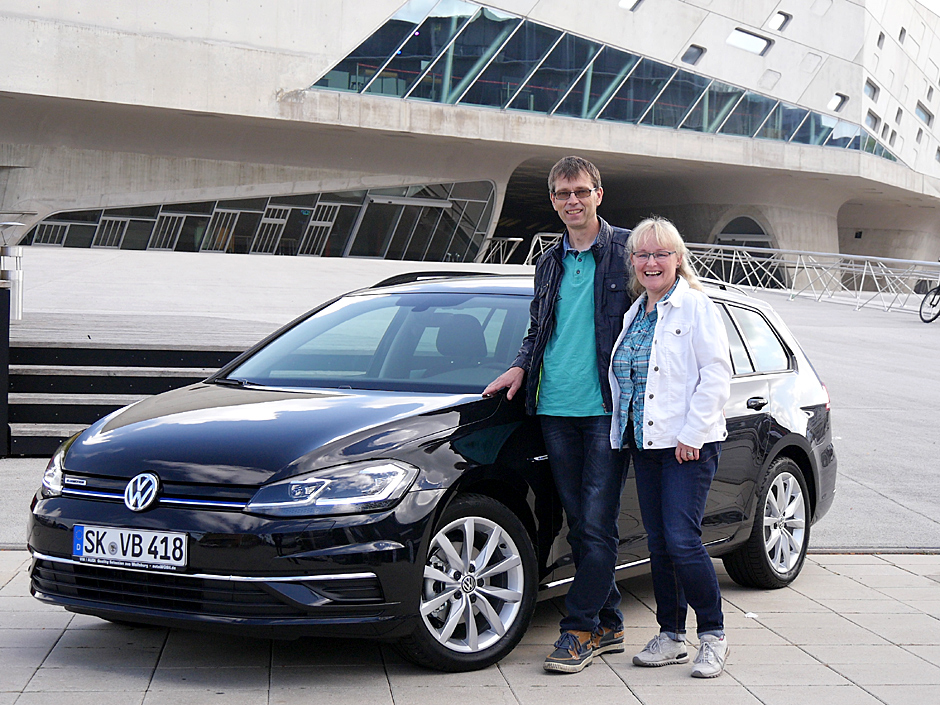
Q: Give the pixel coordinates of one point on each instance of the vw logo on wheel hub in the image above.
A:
(468, 584)
(141, 492)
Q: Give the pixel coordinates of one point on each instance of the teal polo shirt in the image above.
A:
(569, 384)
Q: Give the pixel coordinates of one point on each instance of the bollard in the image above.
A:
(13, 273)
(4, 369)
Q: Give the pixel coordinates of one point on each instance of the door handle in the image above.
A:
(756, 403)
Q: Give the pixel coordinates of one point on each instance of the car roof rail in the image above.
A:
(409, 277)
(725, 286)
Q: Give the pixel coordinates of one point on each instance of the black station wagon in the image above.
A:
(346, 477)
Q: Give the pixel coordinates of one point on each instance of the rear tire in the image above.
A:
(478, 592)
(774, 553)
(930, 306)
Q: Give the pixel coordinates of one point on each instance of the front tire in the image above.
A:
(930, 306)
(774, 553)
(478, 592)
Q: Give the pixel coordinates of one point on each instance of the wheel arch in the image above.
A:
(792, 448)
(491, 482)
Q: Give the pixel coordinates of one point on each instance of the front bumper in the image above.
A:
(359, 575)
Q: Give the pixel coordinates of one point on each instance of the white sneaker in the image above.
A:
(710, 661)
(662, 651)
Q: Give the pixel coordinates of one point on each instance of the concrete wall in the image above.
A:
(113, 103)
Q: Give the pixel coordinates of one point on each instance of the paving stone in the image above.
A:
(330, 677)
(202, 650)
(453, 695)
(762, 674)
(557, 694)
(717, 691)
(333, 696)
(813, 695)
(905, 694)
(409, 675)
(84, 678)
(92, 697)
(322, 652)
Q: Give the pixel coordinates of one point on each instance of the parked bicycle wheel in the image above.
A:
(930, 306)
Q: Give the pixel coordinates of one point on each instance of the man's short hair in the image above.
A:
(570, 168)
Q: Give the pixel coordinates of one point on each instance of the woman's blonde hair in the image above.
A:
(665, 235)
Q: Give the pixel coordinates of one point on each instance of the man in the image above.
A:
(581, 295)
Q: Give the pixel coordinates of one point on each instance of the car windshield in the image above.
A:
(443, 342)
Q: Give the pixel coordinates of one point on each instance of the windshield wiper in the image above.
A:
(231, 381)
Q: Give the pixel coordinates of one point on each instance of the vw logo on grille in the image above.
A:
(141, 492)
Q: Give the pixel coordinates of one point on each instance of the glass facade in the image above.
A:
(426, 222)
(458, 52)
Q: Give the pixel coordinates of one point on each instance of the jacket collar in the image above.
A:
(678, 294)
(600, 242)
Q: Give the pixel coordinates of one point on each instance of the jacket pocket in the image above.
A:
(616, 296)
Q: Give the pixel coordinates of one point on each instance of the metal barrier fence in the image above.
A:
(882, 282)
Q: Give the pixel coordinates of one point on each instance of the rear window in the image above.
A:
(407, 342)
(764, 350)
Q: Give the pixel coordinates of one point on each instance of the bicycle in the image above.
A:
(930, 306)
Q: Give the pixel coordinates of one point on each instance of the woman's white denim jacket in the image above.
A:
(689, 378)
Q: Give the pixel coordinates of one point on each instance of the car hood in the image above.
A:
(207, 433)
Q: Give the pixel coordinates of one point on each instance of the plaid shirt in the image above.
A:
(631, 364)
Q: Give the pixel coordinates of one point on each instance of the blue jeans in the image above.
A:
(672, 502)
(589, 477)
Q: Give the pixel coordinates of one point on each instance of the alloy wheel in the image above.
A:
(473, 584)
(784, 523)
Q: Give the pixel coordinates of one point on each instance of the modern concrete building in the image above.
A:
(421, 130)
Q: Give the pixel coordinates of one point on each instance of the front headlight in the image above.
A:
(347, 489)
(52, 477)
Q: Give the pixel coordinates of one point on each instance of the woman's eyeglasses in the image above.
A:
(660, 256)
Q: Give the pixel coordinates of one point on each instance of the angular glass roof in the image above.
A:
(459, 52)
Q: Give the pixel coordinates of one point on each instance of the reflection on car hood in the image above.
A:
(209, 433)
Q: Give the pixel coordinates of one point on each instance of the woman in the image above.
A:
(670, 376)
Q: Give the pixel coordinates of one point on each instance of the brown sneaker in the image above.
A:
(608, 641)
(573, 652)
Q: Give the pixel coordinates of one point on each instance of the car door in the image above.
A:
(758, 359)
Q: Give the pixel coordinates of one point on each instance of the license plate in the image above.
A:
(133, 548)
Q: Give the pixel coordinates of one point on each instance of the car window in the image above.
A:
(767, 351)
(739, 357)
(420, 342)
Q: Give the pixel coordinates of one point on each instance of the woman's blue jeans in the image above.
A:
(672, 501)
(589, 477)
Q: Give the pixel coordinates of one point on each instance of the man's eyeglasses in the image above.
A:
(660, 256)
(580, 194)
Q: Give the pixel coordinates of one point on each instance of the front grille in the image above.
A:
(111, 489)
(185, 593)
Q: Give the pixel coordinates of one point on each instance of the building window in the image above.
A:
(881, 40)
(930, 93)
(937, 155)
(891, 140)
(779, 21)
(902, 35)
(884, 132)
(925, 115)
(920, 135)
(749, 41)
(898, 115)
(837, 102)
(872, 91)
(873, 121)
(430, 222)
(693, 54)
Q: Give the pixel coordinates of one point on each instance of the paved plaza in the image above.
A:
(861, 625)
(854, 629)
